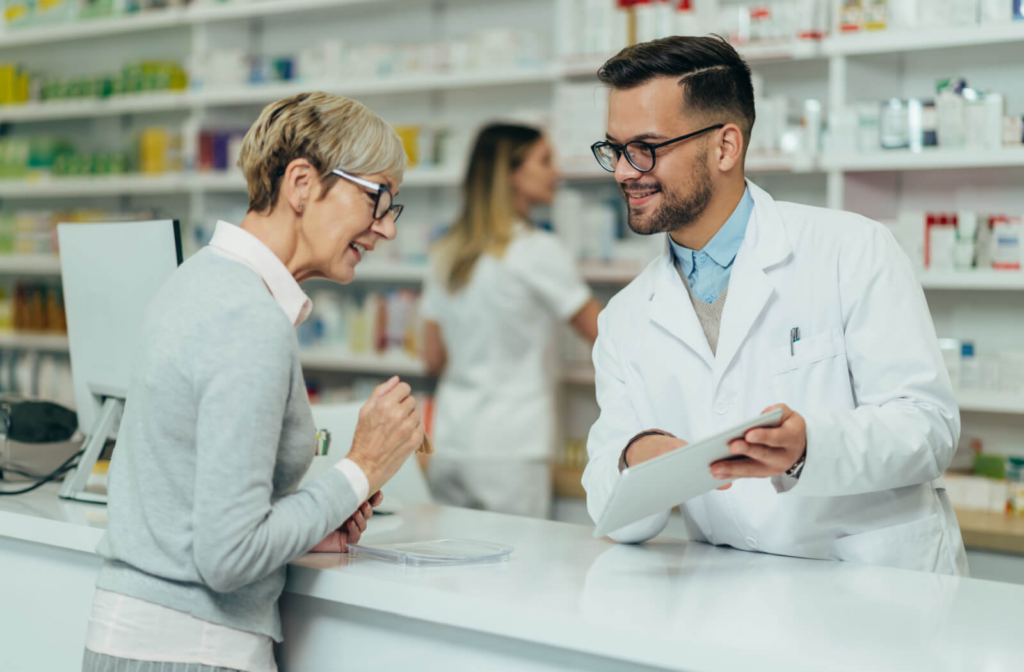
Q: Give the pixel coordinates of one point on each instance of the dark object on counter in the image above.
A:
(36, 421)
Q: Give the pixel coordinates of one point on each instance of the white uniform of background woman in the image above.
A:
(497, 289)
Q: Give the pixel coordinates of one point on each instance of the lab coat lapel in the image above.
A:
(672, 310)
(765, 245)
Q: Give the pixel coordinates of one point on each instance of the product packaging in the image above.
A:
(994, 113)
(940, 242)
(996, 11)
(1013, 131)
(966, 240)
(950, 107)
(974, 119)
(963, 12)
(950, 348)
(970, 373)
(868, 127)
(851, 16)
(645, 15)
(1007, 245)
(876, 14)
(894, 124)
(686, 21)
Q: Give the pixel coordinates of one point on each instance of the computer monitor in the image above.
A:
(110, 272)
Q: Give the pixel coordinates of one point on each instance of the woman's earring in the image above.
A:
(301, 206)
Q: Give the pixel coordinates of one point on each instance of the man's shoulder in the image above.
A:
(840, 228)
(630, 303)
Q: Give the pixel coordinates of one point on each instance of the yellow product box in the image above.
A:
(410, 137)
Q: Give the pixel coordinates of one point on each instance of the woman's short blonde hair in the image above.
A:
(328, 131)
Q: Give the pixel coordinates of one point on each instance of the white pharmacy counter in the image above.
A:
(563, 601)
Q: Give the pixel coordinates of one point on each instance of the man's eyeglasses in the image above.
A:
(384, 201)
(641, 155)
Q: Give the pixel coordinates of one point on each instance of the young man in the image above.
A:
(755, 304)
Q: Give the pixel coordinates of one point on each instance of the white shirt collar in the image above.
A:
(235, 243)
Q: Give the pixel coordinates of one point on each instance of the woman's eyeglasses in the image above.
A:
(641, 155)
(384, 200)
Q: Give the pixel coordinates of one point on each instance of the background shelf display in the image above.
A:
(840, 71)
(324, 358)
(43, 342)
(29, 264)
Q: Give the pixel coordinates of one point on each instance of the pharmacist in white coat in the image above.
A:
(756, 303)
(498, 287)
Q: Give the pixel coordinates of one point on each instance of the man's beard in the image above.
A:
(676, 212)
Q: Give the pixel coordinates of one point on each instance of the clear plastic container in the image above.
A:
(434, 553)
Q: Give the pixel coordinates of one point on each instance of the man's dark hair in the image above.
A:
(715, 80)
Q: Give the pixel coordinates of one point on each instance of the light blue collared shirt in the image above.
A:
(708, 270)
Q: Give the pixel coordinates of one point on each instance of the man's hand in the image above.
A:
(349, 533)
(650, 447)
(766, 451)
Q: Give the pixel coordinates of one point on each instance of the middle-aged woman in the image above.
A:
(205, 510)
(497, 289)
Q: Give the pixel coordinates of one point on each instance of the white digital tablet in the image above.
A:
(670, 479)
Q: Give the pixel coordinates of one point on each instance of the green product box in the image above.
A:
(990, 466)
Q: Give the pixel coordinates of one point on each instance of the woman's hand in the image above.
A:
(349, 533)
(390, 429)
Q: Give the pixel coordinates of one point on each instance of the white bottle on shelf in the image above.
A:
(970, 372)
(664, 17)
(686, 21)
(646, 13)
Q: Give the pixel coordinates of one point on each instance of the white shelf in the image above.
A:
(97, 107)
(787, 50)
(930, 159)
(249, 10)
(267, 93)
(973, 280)
(180, 183)
(260, 95)
(155, 20)
(29, 264)
(121, 185)
(33, 341)
(324, 358)
(167, 18)
(896, 41)
(990, 402)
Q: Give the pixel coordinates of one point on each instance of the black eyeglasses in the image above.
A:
(641, 155)
(384, 201)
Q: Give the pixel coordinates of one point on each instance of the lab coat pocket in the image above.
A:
(807, 351)
(915, 545)
(814, 374)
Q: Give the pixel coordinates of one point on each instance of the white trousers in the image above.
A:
(514, 487)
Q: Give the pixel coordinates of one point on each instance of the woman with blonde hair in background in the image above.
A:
(205, 508)
(497, 288)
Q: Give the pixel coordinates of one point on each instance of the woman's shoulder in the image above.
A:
(217, 289)
(532, 245)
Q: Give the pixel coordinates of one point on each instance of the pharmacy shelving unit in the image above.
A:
(26, 265)
(43, 342)
(838, 70)
(391, 363)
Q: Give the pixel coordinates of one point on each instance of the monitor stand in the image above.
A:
(74, 483)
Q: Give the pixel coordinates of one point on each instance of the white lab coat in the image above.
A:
(495, 407)
(866, 374)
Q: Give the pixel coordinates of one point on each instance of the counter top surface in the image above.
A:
(668, 603)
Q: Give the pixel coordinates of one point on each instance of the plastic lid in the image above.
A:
(437, 552)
